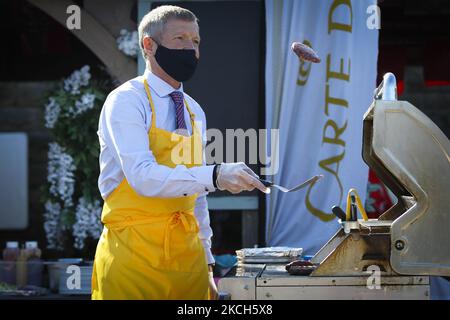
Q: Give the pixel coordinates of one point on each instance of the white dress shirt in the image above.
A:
(125, 121)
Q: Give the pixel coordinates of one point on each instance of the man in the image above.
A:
(157, 238)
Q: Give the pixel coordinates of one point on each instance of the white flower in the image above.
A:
(88, 223)
(85, 103)
(61, 173)
(51, 224)
(52, 110)
(128, 42)
(79, 78)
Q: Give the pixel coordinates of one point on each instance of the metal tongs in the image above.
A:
(296, 188)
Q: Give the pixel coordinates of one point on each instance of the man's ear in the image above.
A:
(149, 46)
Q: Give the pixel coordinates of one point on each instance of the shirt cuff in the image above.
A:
(209, 256)
(204, 176)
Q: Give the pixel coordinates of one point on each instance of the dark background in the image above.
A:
(37, 52)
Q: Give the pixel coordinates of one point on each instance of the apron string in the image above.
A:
(187, 219)
(172, 223)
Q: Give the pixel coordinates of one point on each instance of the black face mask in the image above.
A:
(180, 64)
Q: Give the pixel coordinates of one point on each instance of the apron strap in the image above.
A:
(191, 115)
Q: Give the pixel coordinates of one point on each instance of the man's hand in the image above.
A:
(213, 293)
(237, 177)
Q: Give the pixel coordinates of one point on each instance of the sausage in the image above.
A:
(300, 267)
(304, 52)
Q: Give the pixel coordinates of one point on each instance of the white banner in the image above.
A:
(318, 109)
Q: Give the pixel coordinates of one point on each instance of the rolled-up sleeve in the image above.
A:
(127, 135)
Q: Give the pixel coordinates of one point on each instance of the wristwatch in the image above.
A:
(215, 173)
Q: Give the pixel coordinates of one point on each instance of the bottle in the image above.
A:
(8, 266)
(33, 252)
(11, 252)
(34, 263)
(21, 268)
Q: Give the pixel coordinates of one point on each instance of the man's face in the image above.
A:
(180, 34)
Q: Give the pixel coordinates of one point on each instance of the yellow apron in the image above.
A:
(150, 248)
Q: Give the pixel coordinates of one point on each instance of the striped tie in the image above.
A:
(177, 98)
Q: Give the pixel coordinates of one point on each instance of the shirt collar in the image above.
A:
(161, 87)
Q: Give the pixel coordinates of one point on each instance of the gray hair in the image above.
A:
(153, 23)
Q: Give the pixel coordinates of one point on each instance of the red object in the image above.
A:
(400, 87)
(378, 199)
(428, 83)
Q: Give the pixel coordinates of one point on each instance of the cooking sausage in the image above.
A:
(300, 267)
(304, 52)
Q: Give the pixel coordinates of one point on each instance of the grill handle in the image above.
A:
(387, 90)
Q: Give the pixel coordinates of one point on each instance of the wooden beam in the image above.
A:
(94, 36)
